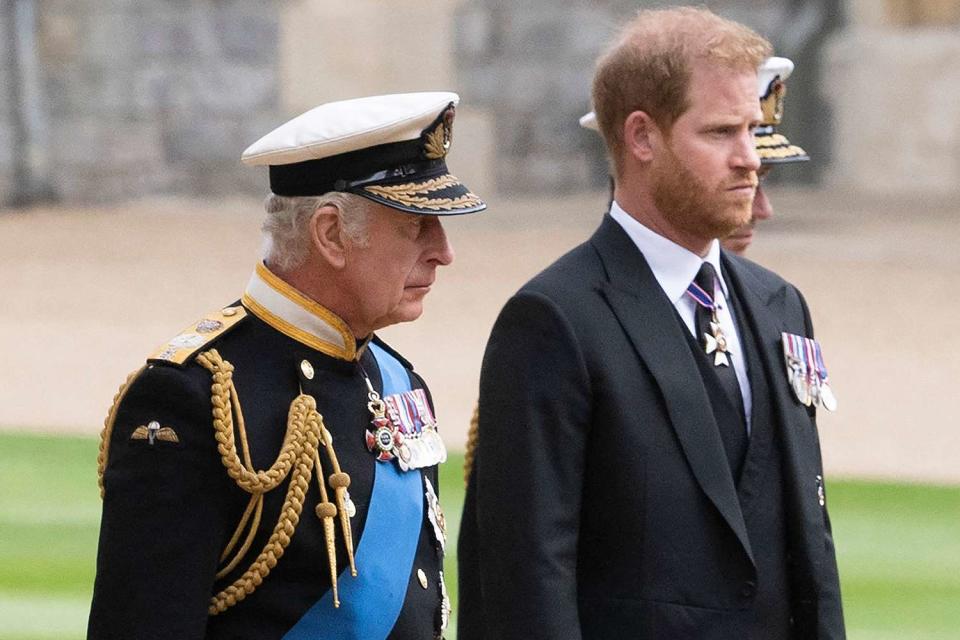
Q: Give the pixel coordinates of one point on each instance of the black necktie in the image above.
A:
(734, 436)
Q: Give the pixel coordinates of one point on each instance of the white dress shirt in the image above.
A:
(675, 267)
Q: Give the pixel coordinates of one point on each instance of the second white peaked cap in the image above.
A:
(768, 72)
(389, 148)
(772, 147)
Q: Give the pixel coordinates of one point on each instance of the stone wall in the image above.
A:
(6, 109)
(531, 65)
(895, 87)
(144, 98)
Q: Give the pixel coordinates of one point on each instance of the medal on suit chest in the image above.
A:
(807, 372)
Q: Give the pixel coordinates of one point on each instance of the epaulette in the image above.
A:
(383, 345)
(182, 347)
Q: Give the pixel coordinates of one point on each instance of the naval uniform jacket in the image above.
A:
(601, 505)
(170, 508)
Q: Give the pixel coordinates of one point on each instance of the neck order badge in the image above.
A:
(371, 602)
(702, 290)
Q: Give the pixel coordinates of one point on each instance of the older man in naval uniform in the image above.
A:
(648, 462)
(271, 471)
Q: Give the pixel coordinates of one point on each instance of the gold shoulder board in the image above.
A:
(179, 349)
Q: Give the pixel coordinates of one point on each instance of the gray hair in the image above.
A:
(286, 230)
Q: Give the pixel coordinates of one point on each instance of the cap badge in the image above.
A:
(437, 139)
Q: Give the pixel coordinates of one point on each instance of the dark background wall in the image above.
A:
(531, 63)
(137, 98)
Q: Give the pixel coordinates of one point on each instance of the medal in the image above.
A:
(717, 344)
(714, 342)
(383, 438)
(445, 608)
(409, 413)
(806, 372)
(348, 504)
(827, 399)
(435, 515)
(800, 390)
(794, 357)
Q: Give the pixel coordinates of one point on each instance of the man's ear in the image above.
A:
(640, 133)
(328, 239)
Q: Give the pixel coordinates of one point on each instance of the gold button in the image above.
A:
(422, 577)
(307, 369)
(229, 311)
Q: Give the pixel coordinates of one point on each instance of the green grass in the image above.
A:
(899, 551)
(898, 545)
(49, 516)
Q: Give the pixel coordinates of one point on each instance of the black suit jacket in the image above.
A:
(601, 504)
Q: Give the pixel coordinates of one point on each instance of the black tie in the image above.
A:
(734, 436)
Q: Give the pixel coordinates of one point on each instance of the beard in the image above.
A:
(693, 206)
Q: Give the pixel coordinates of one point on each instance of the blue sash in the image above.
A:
(370, 603)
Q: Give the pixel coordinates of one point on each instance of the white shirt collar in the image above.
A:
(673, 266)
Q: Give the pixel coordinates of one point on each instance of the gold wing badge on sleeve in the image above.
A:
(153, 432)
(177, 351)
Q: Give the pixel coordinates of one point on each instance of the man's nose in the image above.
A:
(440, 250)
(762, 209)
(745, 155)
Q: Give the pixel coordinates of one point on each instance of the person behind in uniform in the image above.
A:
(271, 471)
(772, 147)
(648, 464)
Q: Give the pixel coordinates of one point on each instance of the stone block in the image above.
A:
(590, 31)
(168, 36)
(536, 33)
(6, 147)
(197, 140)
(93, 185)
(163, 90)
(93, 142)
(479, 85)
(474, 35)
(896, 101)
(542, 173)
(59, 31)
(334, 51)
(473, 153)
(91, 89)
(109, 38)
(923, 12)
(247, 32)
(234, 89)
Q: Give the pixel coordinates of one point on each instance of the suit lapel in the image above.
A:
(765, 311)
(649, 319)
